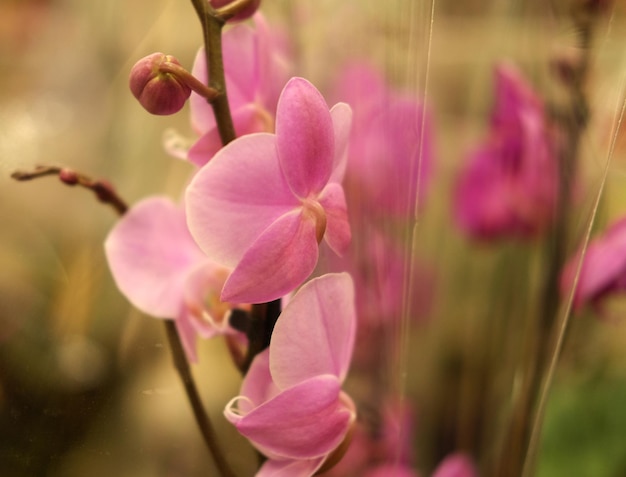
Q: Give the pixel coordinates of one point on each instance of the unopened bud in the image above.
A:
(156, 87)
(68, 176)
(246, 10)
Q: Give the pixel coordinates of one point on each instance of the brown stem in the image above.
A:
(202, 418)
(102, 189)
(542, 342)
(212, 25)
(263, 319)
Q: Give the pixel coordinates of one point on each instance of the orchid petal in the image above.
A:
(276, 263)
(205, 148)
(290, 468)
(150, 253)
(338, 235)
(208, 315)
(239, 50)
(303, 422)
(273, 56)
(247, 119)
(342, 119)
(202, 118)
(316, 330)
(236, 196)
(604, 264)
(258, 385)
(305, 137)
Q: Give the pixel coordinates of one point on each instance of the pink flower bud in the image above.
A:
(246, 12)
(68, 176)
(157, 89)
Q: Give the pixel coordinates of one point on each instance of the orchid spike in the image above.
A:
(291, 405)
(159, 268)
(265, 201)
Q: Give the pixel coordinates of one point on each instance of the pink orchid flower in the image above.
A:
(389, 152)
(603, 270)
(157, 265)
(265, 201)
(256, 68)
(509, 187)
(291, 405)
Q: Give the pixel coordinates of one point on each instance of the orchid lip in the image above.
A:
(313, 210)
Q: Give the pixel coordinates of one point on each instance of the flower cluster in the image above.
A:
(254, 215)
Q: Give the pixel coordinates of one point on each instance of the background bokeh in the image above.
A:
(86, 385)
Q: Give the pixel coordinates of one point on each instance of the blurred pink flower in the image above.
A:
(381, 270)
(160, 269)
(380, 442)
(257, 67)
(388, 148)
(391, 470)
(603, 270)
(266, 201)
(291, 405)
(509, 187)
(456, 465)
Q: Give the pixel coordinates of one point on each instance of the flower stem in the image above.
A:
(102, 189)
(263, 319)
(190, 80)
(212, 24)
(518, 454)
(202, 418)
